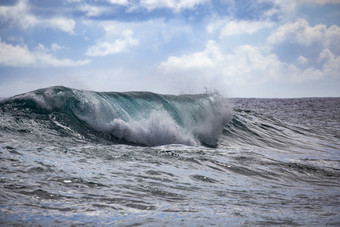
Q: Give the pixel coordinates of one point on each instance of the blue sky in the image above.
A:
(245, 48)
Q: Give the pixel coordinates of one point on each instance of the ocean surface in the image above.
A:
(74, 157)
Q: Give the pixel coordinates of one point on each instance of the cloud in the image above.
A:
(55, 47)
(152, 36)
(286, 10)
(244, 65)
(16, 55)
(93, 11)
(175, 5)
(73, 1)
(119, 2)
(304, 34)
(249, 65)
(331, 66)
(321, 2)
(315, 46)
(302, 60)
(63, 24)
(230, 27)
(19, 15)
(108, 47)
(204, 59)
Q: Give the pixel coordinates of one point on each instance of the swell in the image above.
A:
(140, 118)
(254, 129)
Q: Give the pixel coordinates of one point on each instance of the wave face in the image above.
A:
(140, 118)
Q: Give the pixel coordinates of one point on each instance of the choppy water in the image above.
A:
(70, 157)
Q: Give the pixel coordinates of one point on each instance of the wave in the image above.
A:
(60, 115)
(140, 118)
(284, 131)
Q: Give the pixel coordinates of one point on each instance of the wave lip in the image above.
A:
(140, 118)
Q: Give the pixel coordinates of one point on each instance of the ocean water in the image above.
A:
(73, 157)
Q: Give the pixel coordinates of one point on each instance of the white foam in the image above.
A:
(40, 100)
(158, 129)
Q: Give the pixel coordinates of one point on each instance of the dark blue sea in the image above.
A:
(82, 158)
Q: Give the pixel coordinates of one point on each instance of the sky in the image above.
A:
(239, 48)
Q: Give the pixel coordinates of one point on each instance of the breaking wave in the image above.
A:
(140, 118)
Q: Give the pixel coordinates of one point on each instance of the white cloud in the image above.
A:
(207, 58)
(302, 60)
(245, 65)
(229, 27)
(249, 65)
(287, 31)
(19, 15)
(16, 55)
(322, 2)
(154, 34)
(55, 47)
(304, 34)
(119, 2)
(176, 5)
(331, 65)
(93, 11)
(108, 47)
(286, 9)
(326, 55)
(63, 24)
(322, 58)
(73, 1)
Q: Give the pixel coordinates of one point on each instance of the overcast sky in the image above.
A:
(241, 48)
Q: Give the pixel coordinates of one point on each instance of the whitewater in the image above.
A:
(77, 157)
